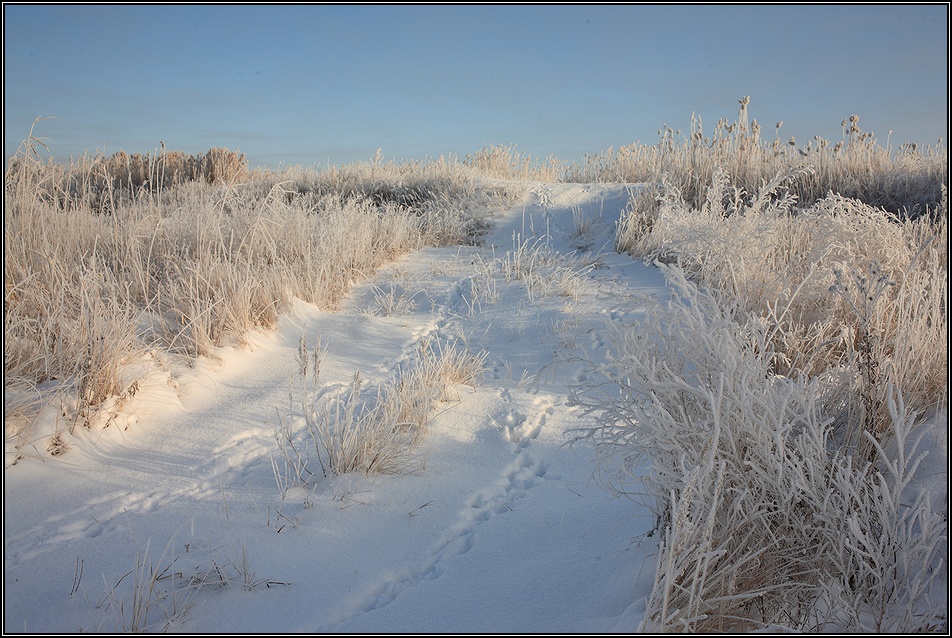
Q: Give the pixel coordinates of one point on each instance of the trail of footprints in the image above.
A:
(499, 498)
(519, 421)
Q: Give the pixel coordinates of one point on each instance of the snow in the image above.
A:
(496, 526)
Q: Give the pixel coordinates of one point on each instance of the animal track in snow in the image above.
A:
(519, 429)
(500, 498)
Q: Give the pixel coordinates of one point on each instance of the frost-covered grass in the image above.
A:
(769, 516)
(195, 264)
(371, 431)
(774, 411)
(846, 290)
(904, 181)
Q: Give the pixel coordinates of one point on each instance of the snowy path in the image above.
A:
(500, 529)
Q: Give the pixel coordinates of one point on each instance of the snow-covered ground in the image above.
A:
(496, 526)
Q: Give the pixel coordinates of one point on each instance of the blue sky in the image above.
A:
(312, 84)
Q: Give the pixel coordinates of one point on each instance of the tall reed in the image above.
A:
(905, 181)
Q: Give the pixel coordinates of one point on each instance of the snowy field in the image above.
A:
(183, 514)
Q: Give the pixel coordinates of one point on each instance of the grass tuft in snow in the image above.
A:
(373, 431)
(542, 269)
(145, 598)
(158, 596)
